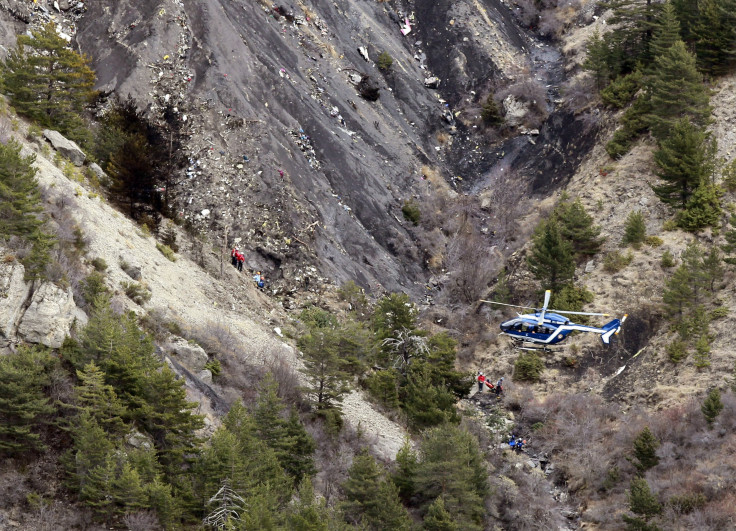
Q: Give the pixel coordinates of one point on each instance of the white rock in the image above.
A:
(190, 355)
(66, 147)
(205, 375)
(50, 316)
(205, 212)
(13, 293)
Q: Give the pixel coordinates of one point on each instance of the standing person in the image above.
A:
(241, 259)
(481, 381)
(499, 387)
(234, 256)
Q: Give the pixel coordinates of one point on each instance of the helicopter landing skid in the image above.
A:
(520, 345)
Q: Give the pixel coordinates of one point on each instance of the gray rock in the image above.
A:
(205, 375)
(49, 318)
(192, 356)
(131, 266)
(432, 82)
(13, 293)
(590, 266)
(99, 172)
(516, 110)
(137, 439)
(66, 147)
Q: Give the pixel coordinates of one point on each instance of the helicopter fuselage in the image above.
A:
(527, 328)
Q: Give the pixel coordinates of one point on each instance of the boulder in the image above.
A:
(205, 375)
(66, 147)
(13, 294)
(192, 356)
(130, 266)
(99, 172)
(432, 82)
(137, 439)
(50, 316)
(515, 110)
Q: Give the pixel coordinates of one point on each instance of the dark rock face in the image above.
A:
(254, 86)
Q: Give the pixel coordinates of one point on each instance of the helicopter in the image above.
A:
(545, 327)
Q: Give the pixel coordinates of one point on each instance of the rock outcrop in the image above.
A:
(65, 146)
(44, 315)
(192, 356)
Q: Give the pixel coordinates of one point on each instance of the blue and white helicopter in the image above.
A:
(540, 330)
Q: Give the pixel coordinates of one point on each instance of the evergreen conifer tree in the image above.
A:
(666, 31)
(90, 450)
(712, 269)
(712, 406)
(596, 59)
(577, 227)
(635, 230)
(676, 92)
(685, 161)
(405, 472)
(451, 465)
(715, 36)
(305, 512)
(645, 451)
(490, 113)
(20, 206)
(636, 21)
(23, 404)
(99, 400)
(687, 14)
(703, 208)
(425, 404)
(551, 256)
(48, 82)
(642, 503)
(328, 382)
(438, 519)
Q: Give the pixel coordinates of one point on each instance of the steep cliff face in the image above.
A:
(284, 152)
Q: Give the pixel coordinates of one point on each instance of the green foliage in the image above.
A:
(654, 241)
(703, 209)
(596, 60)
(411, 211)
(687, 503)
(214, 367)
(677, 93)
(728, 173)
(136, 292)
(404, 474)
(168, 237)
(676, 351)
(371, 500)
(645, 451)
(667, 260)
(324, 370)
(99, 264)
(576, 226)
(642, 503)
(635, 230)
(426, 404)
(685, 287)
(713, 33)
(24, 407)
(383, 385)
(306, 513)
(615, 261)
(20, 206)
(701, 358)
(550, 258)
(685, 161)
(571, 298)
(622, 90)
(49, 83)
(438, 519)
(719, 313)
(634, 123)
(528, 367)
(452, 466)
(392, 313)
(287, 437)
(384, 61)
(712, 406)
(490, 113)
(98, 400)
(93, 286)
(167, 251)
(630, 44)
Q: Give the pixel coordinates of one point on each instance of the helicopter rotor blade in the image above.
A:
(581, 313)
(547, 295)
(511, 305)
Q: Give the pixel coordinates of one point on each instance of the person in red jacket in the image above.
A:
(234, 256)
(241, 259)
(481, 381)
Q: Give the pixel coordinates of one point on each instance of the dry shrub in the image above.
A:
(288, 380)
(531, 91)
(579, 91)
(442, 137)
(141, 521)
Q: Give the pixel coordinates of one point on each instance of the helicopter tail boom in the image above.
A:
(610, 329)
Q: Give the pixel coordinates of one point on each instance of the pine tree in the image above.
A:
(328, 382)
(23, 405)
(667, 30)
(167, 417)
(688, 15)
(551, 256)
(393, 313)
(712, 406)
(645, 451)
(20, 206)
(577, 227)
(678, 292)
(713, 270)
(441, 361)
(425, 404)
(91, 448)
(99, 400)
(48, 82)
(98, 489)
(703, 208)
(451, 465)
(642, 503)
(305, 512)
(635, 230)
(701, 358)
(405, 472)
(438, 519)
(128, 492)
(676, 92)
(635, 21)
(490, 112)
(295, 451)
(596, 59)
(371, 500)
(714, 35)
(685, 160)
